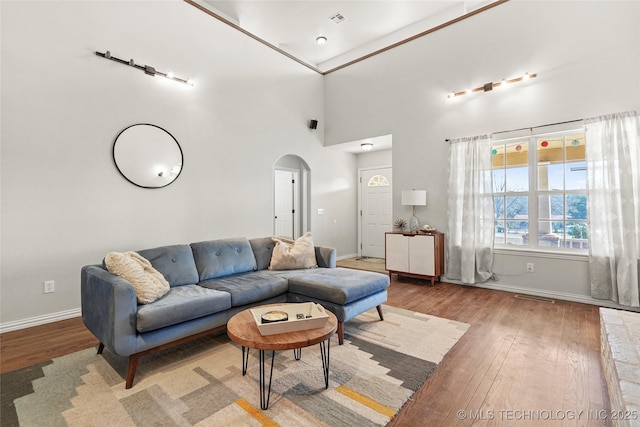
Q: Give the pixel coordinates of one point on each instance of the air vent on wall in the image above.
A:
(337, 18)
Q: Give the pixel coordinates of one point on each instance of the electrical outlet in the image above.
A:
(49, 286)
(530, 267)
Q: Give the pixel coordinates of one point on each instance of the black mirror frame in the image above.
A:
(113, 154)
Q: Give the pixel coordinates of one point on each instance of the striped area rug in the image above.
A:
(372, 375)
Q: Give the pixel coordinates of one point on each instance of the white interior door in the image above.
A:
(286, 200)
(376, 209)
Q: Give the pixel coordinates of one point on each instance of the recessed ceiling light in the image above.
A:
(321, 40)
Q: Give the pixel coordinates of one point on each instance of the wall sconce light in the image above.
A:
(366, 146)
(149, 70)
(491, 85)
(414, 198)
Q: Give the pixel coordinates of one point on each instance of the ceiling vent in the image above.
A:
(337, 18)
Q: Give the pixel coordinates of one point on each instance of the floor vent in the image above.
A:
(535, 298)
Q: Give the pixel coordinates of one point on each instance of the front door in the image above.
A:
(377, 205)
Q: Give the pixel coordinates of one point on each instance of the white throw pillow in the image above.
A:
(291, 255)
(148, 282)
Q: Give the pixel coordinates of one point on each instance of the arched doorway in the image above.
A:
(291, 189)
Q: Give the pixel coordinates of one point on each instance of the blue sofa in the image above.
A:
(209, 282)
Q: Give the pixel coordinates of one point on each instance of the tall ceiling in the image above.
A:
(353, 28)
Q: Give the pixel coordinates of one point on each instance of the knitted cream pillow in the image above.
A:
(148, 282)
(291, 255)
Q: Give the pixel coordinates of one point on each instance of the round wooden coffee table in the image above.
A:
(242, 329)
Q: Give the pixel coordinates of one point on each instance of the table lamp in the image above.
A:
(414, 198)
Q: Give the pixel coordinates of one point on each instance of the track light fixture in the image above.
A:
(492, 85)
(149, 70)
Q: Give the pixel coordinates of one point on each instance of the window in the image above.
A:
(378, 181)
(539, 191)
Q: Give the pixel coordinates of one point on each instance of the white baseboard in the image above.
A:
(39, 320)
(340, 258)
(545, 294)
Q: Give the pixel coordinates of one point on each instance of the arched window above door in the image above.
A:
(378, 181)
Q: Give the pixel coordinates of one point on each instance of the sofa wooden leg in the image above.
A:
(379, 307)
(100, 348)
(340, 334)
(131, 370)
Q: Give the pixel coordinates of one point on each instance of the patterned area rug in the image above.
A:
(372, 375)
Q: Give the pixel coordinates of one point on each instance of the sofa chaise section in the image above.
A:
(343, 291)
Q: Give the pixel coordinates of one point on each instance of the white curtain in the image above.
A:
(470, 227)
(613, 188)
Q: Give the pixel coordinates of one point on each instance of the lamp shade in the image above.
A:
(414, 197)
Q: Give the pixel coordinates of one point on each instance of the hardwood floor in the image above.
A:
(522, 362)
(27, 347)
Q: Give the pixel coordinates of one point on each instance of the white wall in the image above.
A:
(64, 204)
(374, 159)
(586, 54)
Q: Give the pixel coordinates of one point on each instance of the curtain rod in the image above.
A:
(532, 127)
(541, 126)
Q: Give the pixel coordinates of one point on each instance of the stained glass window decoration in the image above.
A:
(378, 181)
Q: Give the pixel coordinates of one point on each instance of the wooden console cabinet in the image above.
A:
(415, 255)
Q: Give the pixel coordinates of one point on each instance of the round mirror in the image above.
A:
(147, 156)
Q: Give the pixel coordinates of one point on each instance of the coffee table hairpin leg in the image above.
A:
(265, 393)
(265, 390)
(245, 360)
(324, 354)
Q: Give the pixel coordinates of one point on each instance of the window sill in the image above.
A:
(540, 253)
